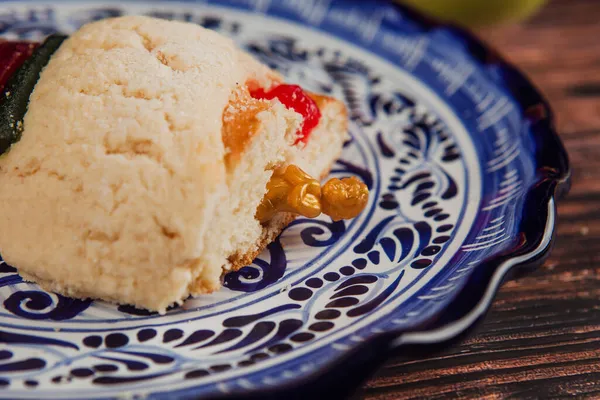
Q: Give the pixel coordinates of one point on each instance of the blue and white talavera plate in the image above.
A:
(463, 164)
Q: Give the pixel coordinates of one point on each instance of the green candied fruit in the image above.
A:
(14, 99)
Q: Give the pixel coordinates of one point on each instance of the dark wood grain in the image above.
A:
(542, 337)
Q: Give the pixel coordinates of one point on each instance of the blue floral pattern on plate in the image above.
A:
(463, 164)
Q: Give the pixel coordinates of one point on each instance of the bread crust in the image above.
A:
(270, 233)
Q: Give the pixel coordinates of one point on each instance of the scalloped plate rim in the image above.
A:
(446, 334)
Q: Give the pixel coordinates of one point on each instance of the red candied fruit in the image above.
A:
(12, 57)
(292, 96)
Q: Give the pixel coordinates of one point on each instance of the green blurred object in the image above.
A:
(478, 13)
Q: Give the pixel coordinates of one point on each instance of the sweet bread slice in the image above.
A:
(146, 159)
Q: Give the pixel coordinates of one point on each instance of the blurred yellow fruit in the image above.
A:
(477, 13)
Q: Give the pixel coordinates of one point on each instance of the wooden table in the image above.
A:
(542, 337)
